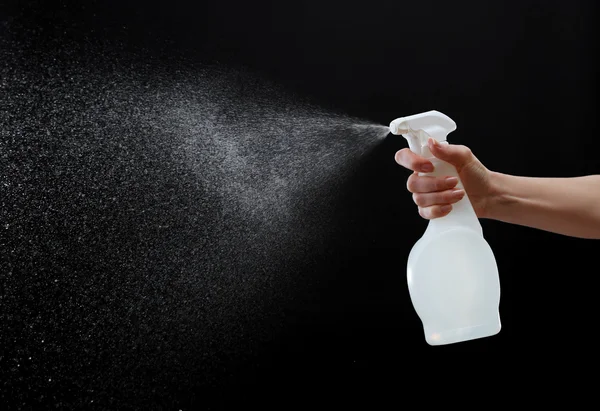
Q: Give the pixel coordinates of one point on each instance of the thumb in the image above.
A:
(457, 155)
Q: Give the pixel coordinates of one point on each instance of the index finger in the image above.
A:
(408, 159)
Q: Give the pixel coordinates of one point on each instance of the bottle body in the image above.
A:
(453, 277)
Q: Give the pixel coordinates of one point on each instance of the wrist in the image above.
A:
(497, 195)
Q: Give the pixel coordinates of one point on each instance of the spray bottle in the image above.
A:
(452, 274)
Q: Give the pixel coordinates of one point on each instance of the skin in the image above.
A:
(567, 206)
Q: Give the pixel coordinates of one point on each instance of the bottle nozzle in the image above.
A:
(399, 126)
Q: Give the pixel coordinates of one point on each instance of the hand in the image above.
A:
(435, 195)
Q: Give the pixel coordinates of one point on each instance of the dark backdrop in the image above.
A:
(518, 77)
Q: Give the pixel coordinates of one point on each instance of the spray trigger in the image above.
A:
(418, 128)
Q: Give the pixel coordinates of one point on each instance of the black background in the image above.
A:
(519, 79)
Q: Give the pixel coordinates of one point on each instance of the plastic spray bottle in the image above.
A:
(452, 274)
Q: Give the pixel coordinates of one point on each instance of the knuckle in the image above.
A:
(465, 151)
(418, 199)
(425, 212)
(411, 183)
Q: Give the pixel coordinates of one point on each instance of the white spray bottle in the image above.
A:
(452, 273)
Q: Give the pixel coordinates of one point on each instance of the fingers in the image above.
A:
(436, 211)
(406, 158)
(457, 155)
(434, 195)
(429, 184)
(439, 198)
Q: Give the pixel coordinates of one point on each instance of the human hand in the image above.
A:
(435, 195)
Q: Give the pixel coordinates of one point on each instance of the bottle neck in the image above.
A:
(462, 215)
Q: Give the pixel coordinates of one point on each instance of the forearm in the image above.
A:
(568, 206)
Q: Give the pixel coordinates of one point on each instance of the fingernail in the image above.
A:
(427, 168)
(432, 142)
(445, 208)
(458, 193)
(451, 181)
